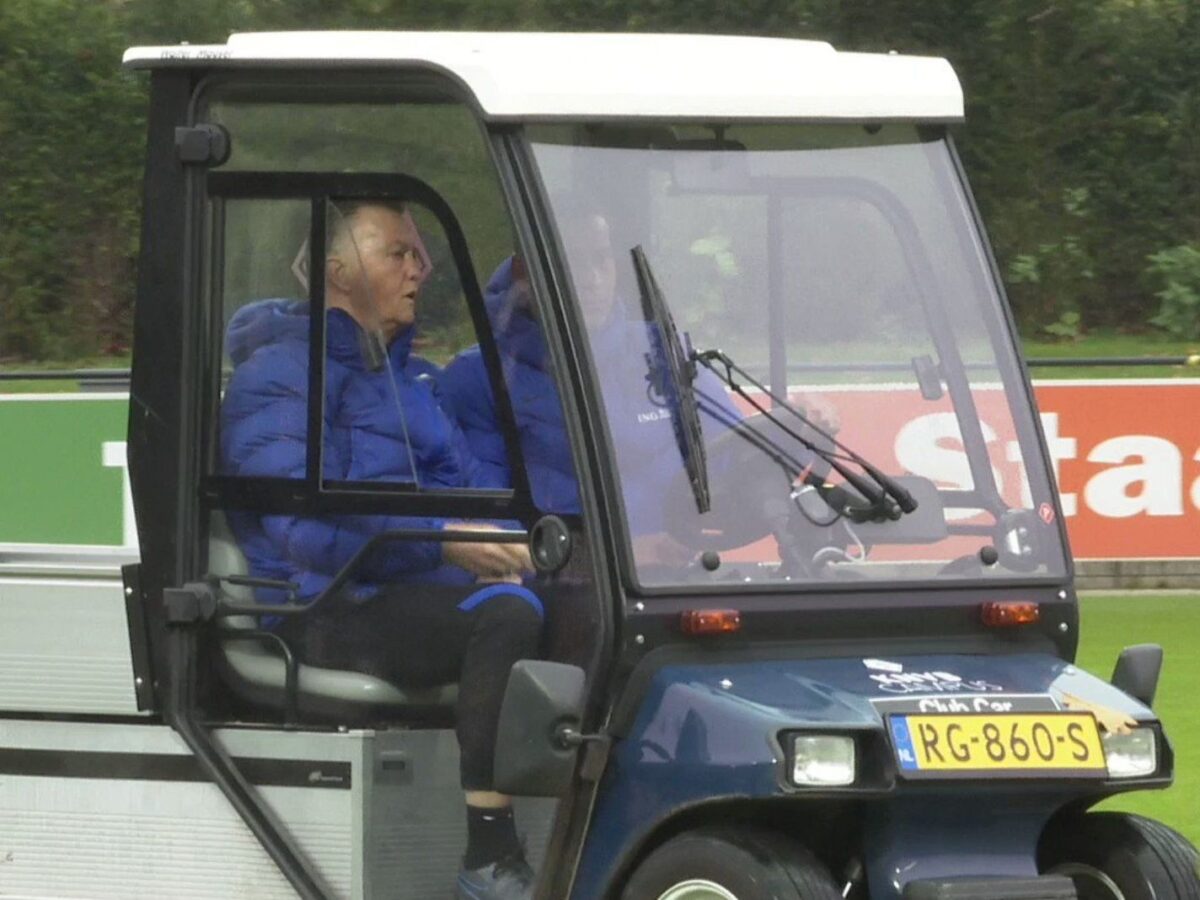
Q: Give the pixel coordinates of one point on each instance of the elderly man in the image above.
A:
(417, 613)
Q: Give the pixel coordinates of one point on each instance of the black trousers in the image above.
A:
(425, 635)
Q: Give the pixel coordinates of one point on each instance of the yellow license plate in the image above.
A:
(1045, 744)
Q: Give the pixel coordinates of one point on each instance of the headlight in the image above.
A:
(1131, 755)
(823, 760)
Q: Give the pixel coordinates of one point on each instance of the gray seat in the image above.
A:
(254, 668)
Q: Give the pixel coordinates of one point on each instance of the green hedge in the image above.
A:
(1083, 140)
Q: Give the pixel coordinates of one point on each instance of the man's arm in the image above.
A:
(466, 394)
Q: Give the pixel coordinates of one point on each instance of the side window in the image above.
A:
(419, 276)
(260, 300)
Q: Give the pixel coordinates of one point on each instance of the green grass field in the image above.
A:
(1113, 621)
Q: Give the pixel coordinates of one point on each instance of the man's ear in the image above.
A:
(338, 274)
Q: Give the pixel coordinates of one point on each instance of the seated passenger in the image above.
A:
(418, 613)
(642, 431)
(467, 394)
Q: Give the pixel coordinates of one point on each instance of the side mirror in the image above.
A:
(1137, 671)
(543, 706)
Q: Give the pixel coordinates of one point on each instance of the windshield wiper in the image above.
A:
(671, 372)
(890, 498)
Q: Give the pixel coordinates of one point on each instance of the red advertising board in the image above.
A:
(1128, 461)
(1126, 455)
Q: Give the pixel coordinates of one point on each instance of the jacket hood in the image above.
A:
(517, 332)
(265, 322)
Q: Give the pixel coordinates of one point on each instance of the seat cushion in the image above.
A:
(255, 670)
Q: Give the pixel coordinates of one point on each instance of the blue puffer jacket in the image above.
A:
(643, 431)
(467, 394)
(264, 420)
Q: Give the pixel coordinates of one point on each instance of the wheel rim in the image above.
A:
(1090, 882)
(697, 889)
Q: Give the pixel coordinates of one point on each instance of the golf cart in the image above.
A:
(810, 617)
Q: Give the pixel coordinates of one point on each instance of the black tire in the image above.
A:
(1113, 856)
(748, 864)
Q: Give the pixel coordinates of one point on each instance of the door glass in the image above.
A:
(260, 287)
(438, 143)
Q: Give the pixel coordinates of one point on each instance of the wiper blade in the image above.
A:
(671, 372)
(721, 365)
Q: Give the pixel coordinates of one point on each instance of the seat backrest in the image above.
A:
(225, 557)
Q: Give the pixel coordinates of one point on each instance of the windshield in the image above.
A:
(865, 418)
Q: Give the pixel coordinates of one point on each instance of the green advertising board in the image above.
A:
(64, 479)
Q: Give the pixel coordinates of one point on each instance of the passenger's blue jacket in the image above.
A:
(467, 394)
(264, 420)
(643, 431)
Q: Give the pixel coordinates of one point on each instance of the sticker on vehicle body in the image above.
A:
(1111, 721)
(882, 665)
(967, 703)
(892, 679)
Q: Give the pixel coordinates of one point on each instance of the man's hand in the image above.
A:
(818, 410)
(493, 562)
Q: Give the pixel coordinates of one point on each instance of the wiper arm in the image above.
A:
(721, 365)
(671, 372)
(836, 498)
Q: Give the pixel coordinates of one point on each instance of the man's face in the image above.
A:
(381, 268)
(590, 256)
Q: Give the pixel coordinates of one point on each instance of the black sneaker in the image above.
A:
(509, 879)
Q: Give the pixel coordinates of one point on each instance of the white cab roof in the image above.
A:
(530, 75)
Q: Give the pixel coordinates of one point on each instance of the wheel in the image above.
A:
(729, 864)
(1113, 856)
(739, 504)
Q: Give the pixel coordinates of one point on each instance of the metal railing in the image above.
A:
(1103, 361)
(118, 379)
(89, 379)
(67, 375)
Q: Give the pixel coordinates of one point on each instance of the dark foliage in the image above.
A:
(1083, 137)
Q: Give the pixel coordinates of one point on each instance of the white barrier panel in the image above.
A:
(1126, 454)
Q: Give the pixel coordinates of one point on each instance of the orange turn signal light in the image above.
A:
(1007, 614)
(710, 621)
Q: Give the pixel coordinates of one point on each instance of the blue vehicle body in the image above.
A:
(712, 735)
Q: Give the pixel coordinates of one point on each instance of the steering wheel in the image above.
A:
(750, 488)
